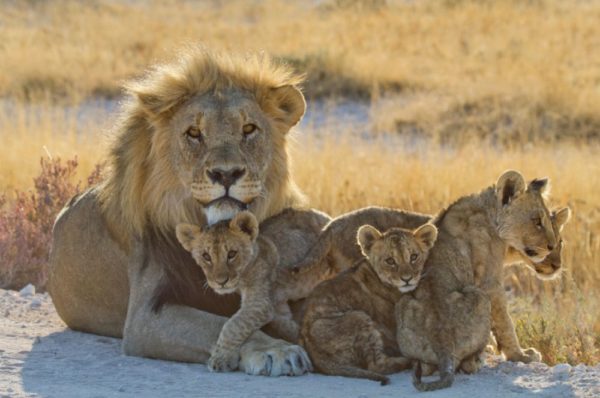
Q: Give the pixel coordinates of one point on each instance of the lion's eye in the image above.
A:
(249, 128)
(538, 222)
(414, 257)
(206, 257)
(390, 261)
(231, 254)
(193, 132)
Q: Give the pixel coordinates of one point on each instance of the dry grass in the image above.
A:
(508, 71)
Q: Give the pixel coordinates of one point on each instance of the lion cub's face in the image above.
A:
(223, 250)
(398, 255)
(551, 265)
(524, 221)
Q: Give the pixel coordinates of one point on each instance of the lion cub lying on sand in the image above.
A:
(235, 258)
(347, 329)
(447, 318)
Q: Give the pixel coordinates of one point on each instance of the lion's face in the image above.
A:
(524, 221)
(223, 250)
(222, 148)
(398, 255)
(225, 147)
(551, 265)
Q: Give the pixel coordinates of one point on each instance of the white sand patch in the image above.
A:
(39, 356)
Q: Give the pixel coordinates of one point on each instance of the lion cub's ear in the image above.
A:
(366, 236)
(246, 223)
(186, 233)
(540, 185)
(426, 235)
(287, 105)
(510, 184)
(561, 217)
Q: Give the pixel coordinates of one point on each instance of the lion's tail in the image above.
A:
(445, 381)
(315, 261)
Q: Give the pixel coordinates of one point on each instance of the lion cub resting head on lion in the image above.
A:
(348, 327)
(235, 258)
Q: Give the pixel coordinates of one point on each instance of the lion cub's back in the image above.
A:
(294, 232)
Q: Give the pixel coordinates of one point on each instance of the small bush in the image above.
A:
(26, 222)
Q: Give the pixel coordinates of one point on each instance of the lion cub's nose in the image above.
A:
(226, 177)
(222, 282)
(406, 279)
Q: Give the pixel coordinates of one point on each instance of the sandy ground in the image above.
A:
(39, 356)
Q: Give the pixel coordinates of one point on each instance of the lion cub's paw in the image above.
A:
(526, 356)
(223, 361)
(276, 359)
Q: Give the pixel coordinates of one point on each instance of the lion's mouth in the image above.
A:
(227, 201)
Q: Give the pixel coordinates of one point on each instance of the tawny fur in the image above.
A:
(180, 120)
(448, 317)
(236, 258)
(347, 328)
(337, 248)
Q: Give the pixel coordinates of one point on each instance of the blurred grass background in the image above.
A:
(456, 91)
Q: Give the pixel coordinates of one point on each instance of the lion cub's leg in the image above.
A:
(504, 330)
(345, 345)
(256, 310)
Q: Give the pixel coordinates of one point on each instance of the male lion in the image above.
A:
(205, 135)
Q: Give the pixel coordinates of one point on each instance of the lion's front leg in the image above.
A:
(185, 334)
(504, 330)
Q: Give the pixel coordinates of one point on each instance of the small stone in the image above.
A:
(36, 303)
(28, 290)
(561, 370)
(581, 368)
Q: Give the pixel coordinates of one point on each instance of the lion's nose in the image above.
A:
(406, 279)
(555, 266)
(225, 177)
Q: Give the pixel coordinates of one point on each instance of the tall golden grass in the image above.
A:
(455, 68)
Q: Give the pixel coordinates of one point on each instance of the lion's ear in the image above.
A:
(246, 223)
(561, 217)
(366, 236)
(510, 184)
(186, 233)
(160, 96)
(287, 105)
(426, 235)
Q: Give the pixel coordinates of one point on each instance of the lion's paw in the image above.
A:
(223, 362)
(526, 356)
(276, 359)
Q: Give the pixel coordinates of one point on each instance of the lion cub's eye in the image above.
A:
(414, 257)
(390, 261)
(193, 132)
(231, 254)
(206, 257)
(249, 128)
(538, 222)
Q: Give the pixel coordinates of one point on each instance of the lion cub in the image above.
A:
(347, 329)
(235, 258)
(337, 248)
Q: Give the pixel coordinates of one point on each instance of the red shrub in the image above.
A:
(26, 223)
